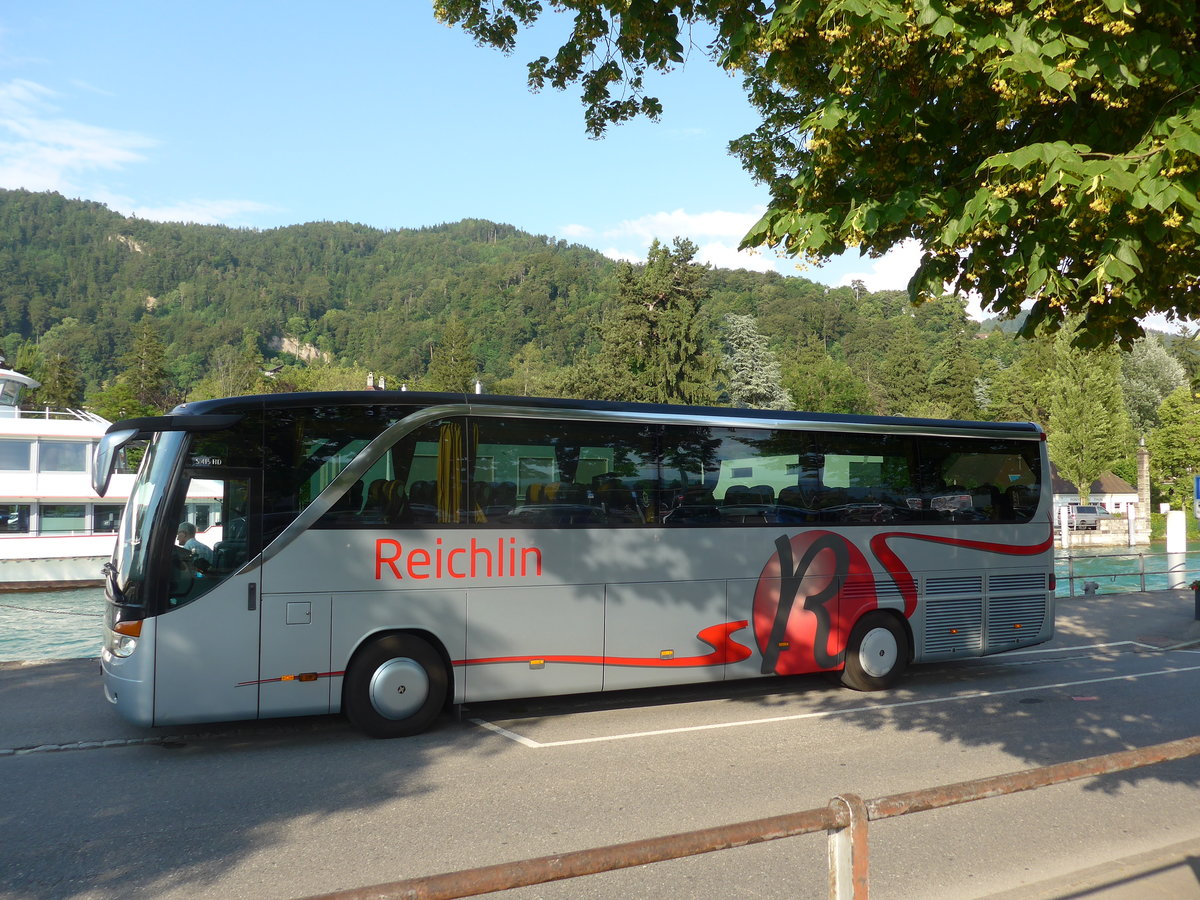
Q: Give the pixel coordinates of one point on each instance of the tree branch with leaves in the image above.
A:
(1042, 152)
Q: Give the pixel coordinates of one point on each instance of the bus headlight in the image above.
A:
(123, 638)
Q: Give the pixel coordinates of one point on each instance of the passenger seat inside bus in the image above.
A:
(231, 551)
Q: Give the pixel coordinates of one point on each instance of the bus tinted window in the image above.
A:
(490, 472)
(539, 473)
(985, 480)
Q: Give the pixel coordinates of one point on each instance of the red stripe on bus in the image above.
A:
(725, 650)
(289, 678)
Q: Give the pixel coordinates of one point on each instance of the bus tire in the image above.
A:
(395, 686)
(876, 654)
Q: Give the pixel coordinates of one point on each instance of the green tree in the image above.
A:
(532, 375)
(1148, 374)
(232, 372)
(819, 383)
(1089, 427)
(62, 385)
(656, 344)
(117, 400)
(953, 379)
(755, 378)
(1045, 151)
(1175, 447)
(893, 356)
(453, 366)
(1021, 390)
(145, 368)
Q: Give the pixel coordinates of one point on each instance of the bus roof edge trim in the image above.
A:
(121, 433)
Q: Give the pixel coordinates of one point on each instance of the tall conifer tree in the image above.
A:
(454, 366)
(1089, 426)
(656, 346)
(755, 377)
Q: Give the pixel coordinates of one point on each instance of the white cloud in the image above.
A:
(623, 255)
(199, 212)
(727, 256)
(716, 234)
(40, 151)
(665, 226)
(890, 272)
(576, 232)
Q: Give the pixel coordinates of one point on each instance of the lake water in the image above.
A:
(68, 624)
(51, 624)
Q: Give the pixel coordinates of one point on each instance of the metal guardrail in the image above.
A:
(845, 819)
(1177, 575)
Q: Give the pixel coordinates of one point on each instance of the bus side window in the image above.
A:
(548, 473)
(988, 478)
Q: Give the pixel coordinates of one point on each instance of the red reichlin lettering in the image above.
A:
(422, 563)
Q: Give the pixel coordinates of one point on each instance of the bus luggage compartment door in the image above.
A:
(534, 641)
(294, 662)
(653, 633)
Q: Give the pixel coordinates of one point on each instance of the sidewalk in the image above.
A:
(1162, 620)
(1171, 873)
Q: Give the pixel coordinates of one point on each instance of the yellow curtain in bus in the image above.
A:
(449, 469)
(480, 516)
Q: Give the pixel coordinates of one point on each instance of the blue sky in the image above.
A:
(264, 114)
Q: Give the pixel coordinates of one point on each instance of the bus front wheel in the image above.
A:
(395, 686)
(876, 654)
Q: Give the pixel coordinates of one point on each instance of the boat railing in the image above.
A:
(51, 413)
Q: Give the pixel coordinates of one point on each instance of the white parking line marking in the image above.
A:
(504, 732)
(1008, 654)
(978, 695)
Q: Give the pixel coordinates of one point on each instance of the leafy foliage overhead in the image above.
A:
(1036, 149)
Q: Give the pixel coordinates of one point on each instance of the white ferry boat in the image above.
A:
(54, 529)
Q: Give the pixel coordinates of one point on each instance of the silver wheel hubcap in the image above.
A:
(399, 688)
(878, 652)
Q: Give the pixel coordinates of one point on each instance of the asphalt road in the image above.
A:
(91, 807)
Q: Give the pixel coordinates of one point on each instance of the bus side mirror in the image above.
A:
(105, 456)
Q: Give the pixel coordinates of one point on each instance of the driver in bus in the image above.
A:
(186, 538)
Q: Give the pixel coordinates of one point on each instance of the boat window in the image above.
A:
(58, 518)
(62, 456)
(15, 456)
(14, 518)
(106, 517)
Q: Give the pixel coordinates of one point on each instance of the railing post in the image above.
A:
(849, 853)
(1142, 569)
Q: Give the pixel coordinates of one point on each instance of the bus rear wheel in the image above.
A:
(876, 654)
(395, 686)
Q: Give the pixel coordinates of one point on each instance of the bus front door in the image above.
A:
(207, 638)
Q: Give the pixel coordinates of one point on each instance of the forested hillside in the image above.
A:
(131, 316)
(365, 296)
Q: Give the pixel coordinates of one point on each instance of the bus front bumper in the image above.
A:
(129, 680)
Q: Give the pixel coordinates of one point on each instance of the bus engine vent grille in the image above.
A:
(941, 587)
(1015, 620)
(1033, 581)
(954, 626)
(884, 590)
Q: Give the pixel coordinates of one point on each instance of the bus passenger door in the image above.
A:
(206, 669)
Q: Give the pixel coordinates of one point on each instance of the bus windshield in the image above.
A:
(144, 508)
